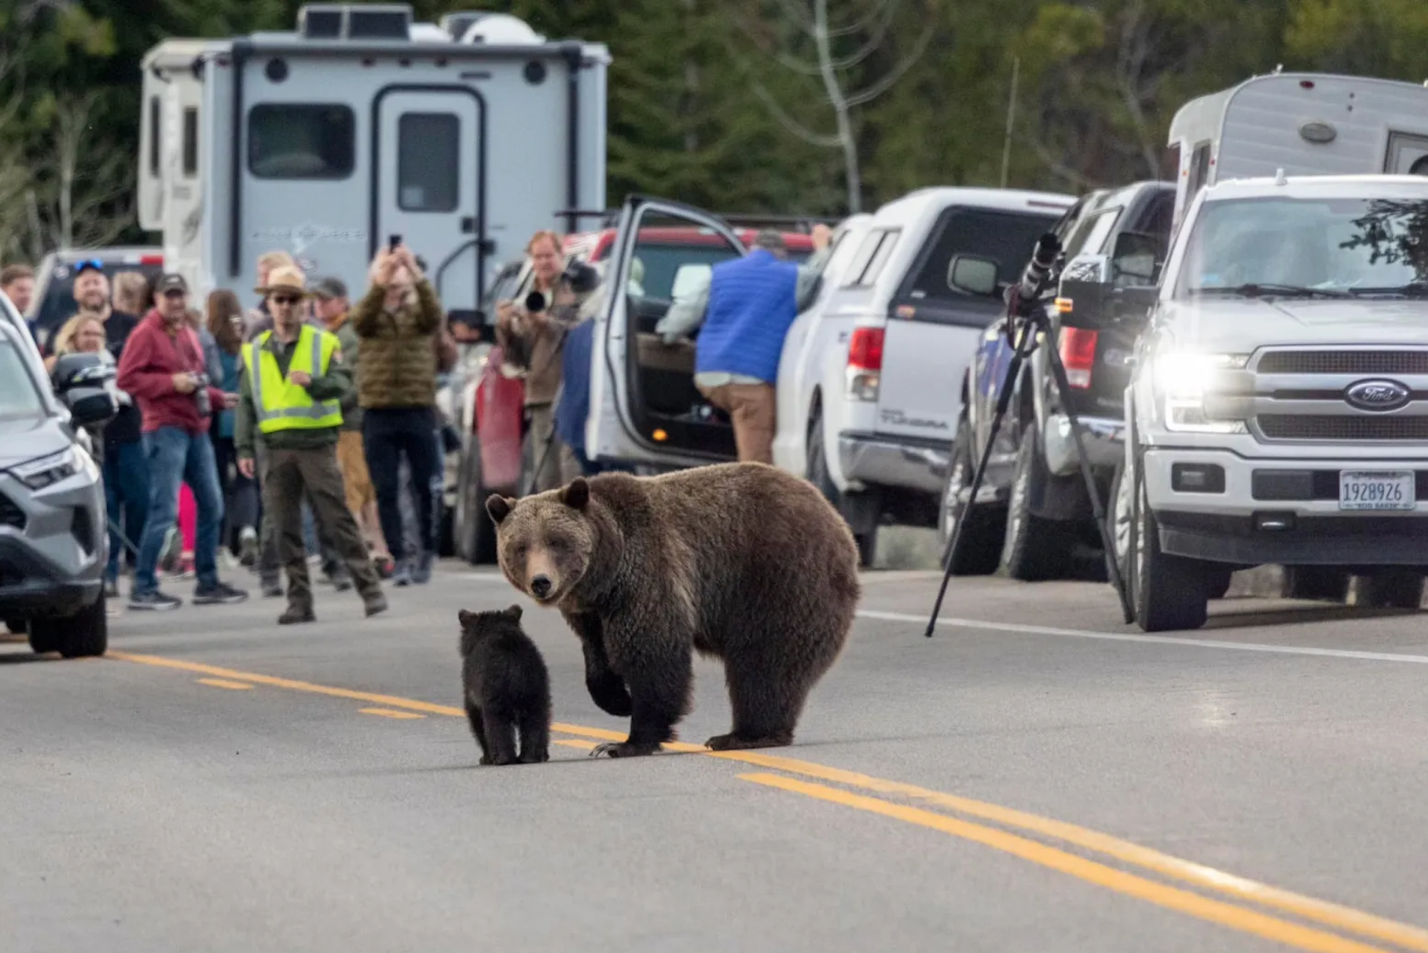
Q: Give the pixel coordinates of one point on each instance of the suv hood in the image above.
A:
(28, 438)
(1240, 325)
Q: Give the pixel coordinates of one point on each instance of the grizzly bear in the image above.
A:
(506, 687)
(738, 561)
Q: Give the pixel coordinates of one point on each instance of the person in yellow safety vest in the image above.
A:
(290, 390)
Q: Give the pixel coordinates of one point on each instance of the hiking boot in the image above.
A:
(272, 589)
(154, 599)
(375, 604)
(111, 588)
(248, 547)
(402, 575)
(421, 574)
(386, 566)
(341, 581)
(297, 614)
(219, 592)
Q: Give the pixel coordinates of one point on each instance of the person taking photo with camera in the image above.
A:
(396, 323)
(163, 369)
(531, 331)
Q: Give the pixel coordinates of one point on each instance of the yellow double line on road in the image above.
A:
(1240, 911)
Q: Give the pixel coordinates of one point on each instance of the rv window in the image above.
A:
(155, 128)
(1199, 169)
(190, 142)
(1006, 237)
(301, 141)
(428, 162)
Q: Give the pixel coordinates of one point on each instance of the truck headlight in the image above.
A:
(1183, 378)
(44, 471)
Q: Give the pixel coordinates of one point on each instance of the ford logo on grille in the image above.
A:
(1377, 395)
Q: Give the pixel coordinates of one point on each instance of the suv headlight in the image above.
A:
(45, 471)
(1183, 379)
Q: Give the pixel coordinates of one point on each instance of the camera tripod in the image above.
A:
(1027, 315)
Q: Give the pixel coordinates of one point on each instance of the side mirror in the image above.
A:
(973, 275)
(1136, 258)
(81, 369)
(90, 406)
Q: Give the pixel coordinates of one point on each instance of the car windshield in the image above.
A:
(1308, 247)
(19, 397)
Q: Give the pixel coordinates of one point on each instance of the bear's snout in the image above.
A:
(541, 586)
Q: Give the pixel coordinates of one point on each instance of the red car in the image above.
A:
(497, 457)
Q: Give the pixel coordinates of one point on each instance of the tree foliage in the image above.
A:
(727, 104)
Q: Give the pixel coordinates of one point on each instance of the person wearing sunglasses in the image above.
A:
(164, 369)
(290, 398)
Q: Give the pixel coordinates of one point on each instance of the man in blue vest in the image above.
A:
(746, 309)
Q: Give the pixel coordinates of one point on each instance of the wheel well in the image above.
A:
(815, 407)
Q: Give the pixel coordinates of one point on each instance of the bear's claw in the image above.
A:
(622, 749)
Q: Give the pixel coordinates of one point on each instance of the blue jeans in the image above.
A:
(176, 457)
(126, 494)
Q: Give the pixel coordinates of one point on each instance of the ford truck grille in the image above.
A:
(1344, 362)
(1313, 427)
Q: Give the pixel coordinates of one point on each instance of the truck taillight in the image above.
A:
(151, 259)
(1078, 353)
(865, 363)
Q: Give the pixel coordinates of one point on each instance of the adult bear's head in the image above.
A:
(544, 542)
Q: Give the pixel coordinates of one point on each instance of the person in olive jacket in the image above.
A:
(396, 323)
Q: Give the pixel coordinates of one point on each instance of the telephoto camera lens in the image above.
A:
(200, 396)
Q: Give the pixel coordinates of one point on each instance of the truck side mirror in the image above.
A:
(1136, 259)
(973, 275)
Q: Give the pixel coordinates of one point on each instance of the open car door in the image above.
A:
(644, 407)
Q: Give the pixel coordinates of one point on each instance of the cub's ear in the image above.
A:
(465, 618)
(514, 613)
(577, 494)
(499, 507)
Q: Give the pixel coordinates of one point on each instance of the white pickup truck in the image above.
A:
(1278, 410)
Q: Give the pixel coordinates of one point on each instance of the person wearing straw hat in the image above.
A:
(290, 392)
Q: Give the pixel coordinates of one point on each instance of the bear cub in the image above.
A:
(506, 687)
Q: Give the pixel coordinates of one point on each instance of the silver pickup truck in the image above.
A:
(1278, 409)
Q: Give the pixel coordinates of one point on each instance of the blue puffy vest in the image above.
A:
(752, 302)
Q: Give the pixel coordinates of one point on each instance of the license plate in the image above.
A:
(1376, 490)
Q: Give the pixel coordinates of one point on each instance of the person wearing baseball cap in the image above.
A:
(163, 368)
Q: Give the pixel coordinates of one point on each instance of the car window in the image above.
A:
(1091, 234)
(19, 397)
(1004, 236)
(58, 305)
(659, 263)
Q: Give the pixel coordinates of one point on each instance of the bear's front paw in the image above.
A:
(733, 742)
(622, 749)
(608, 691)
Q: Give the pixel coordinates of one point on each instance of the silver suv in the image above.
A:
(53, 532)
(1279, 405)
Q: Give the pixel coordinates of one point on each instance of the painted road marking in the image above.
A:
(225, 683)
(390, 713)
(1174, 898)
(985, 625)
(1208, 878)
(580, 743)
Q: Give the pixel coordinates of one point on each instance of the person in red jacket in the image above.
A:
(163, 370)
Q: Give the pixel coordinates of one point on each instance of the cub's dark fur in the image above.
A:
(506, 687)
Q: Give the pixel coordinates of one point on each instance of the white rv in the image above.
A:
(463, 138)
(1303, 123)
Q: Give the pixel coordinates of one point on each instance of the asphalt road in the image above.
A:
(1037, 776)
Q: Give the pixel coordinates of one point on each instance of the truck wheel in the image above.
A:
(1034, 549)
(475, 533)
(1170, 591)
(16, 625)
(816, 469)
(1395, 589)
(1217, 582)
(1321, 583)
(83, 634)
(1118, 523)
(985, 528)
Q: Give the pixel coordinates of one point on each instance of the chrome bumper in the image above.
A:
(888, 461)
(1102, 437)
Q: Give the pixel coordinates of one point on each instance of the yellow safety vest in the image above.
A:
(281, 405)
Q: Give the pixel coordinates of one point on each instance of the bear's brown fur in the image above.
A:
(739, 561)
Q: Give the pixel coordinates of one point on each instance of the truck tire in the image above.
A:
(1217, 582)
(815, 470)
(84, 634)
(475, 533)
(1033, 549)
(1394, 589)
(1169, 591)
(985, 528)
(1321, 583)
(1118, 523)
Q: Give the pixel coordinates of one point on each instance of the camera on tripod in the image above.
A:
(577, 276)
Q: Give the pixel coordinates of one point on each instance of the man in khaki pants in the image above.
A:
(746, 308)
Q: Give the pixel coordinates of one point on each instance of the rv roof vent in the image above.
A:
(498, 29)
(340, 21)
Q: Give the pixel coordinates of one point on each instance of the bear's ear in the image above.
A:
(577, 494)
(499, 507)
(514, 613)
(465, 617)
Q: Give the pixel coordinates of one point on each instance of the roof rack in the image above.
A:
(609, 218)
